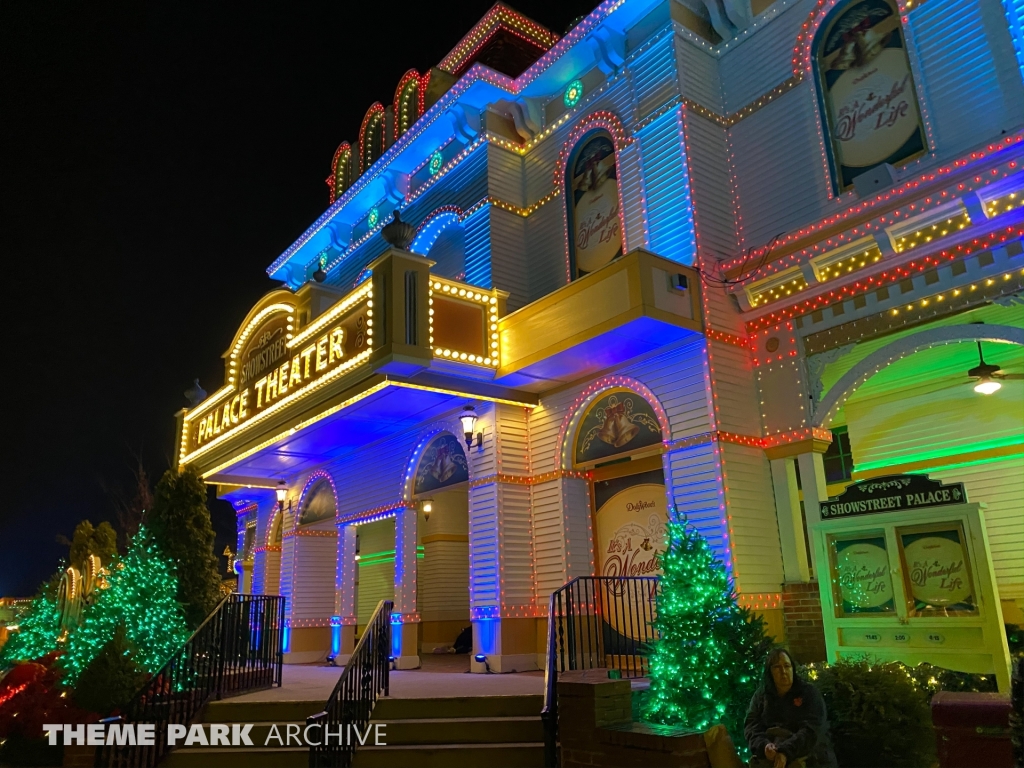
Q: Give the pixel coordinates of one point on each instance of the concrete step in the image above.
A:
(514, 755)
(389, 709)
(237, 757)
(234, 711)
(463, 730)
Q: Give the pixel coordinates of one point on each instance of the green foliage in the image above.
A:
(38, 629)
(180, 523)
(878, 714)
(87, 540)
(141, 598)
(112, 678)
(707, 662)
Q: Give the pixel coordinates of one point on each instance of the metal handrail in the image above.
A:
(595, 621)
(238, 648)
(350, 704)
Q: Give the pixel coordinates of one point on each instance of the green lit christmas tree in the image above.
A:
(141, 599)
(708, 659)
(38, 629)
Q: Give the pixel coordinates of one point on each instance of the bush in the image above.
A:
(180, 523)
(111, 679)
(878, 713)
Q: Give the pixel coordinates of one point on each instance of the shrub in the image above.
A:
(112, 678)
(878, 714)
(180, 523)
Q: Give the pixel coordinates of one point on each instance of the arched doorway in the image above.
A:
(272, 565)
(440, 493)
(906, 404)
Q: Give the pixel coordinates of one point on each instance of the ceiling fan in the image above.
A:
(988, 376)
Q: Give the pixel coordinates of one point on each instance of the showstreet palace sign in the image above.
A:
(892, 493)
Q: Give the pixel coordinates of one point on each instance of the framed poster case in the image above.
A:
(914, 585)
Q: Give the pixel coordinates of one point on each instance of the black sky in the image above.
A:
(155, 157)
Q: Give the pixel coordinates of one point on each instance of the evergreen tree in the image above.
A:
(38, 629)
(180, 523)
(112, 678)
(87, 540)
(140, 598)
(707, 662)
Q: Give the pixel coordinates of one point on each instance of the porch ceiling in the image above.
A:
(377, 416)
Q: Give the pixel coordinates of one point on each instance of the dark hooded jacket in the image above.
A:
(801, 711)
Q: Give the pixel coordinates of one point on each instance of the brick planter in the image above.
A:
(805, 630)
(596, 728)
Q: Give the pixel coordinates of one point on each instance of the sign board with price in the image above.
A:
(909, 577)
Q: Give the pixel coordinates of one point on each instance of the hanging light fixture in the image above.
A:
(989, 377)
(282, 493)
(468, 418)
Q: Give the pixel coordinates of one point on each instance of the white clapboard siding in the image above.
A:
(443, 581)
(287, 583)
(517, 570)
(1000, 485)
(316, 561)
(505, 175)
(757, 552)
(579, 547)
(698, 493)
(780, 172)
(478, 248)
(484, 577)
(761, 60)
(631, 185)
(376, 579)
(735, 389)
(508, 266)
(545, 249)
(906, 424)
(513, 429)
(668, 189)
(654, 76)
(271, 580)
(449, 252)
(548, 535)
(972, 89)
(376, 583)
(707, 157)
(699, 78)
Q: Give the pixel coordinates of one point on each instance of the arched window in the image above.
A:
(595, 231)
(442, 464)
(618, 424)
(866, 90)
(319, 504)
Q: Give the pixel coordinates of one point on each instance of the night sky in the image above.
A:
(155, 158)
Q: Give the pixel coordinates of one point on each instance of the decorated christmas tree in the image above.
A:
(142, 600)
(38, 629)
(708, 659)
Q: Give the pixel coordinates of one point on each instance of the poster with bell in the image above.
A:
(906, 576)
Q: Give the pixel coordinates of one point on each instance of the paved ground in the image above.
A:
(440, 676)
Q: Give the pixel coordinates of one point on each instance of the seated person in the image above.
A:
(786, 722)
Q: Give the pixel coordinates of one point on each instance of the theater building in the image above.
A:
(702, 259)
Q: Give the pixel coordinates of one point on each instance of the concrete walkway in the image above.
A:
(440, 676)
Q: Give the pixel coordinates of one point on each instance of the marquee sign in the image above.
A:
(892, 493)
(272, 366)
